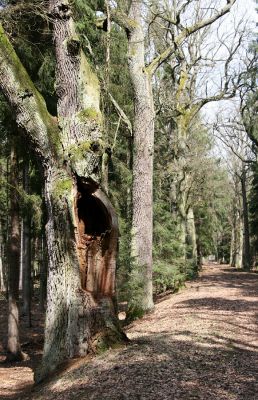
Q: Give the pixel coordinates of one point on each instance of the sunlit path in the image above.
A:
(201, 343)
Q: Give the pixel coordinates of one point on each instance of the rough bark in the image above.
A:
(143, 149)
(81, 231)
(81, 252)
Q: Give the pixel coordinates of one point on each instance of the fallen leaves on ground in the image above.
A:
(201, 343)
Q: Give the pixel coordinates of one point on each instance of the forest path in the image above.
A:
(201, 343)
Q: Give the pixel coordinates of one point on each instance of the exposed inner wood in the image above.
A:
(93, 243)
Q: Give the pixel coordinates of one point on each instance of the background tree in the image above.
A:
(231, 132)
(141, 74)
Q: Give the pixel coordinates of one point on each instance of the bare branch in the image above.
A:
(122, 114)
(186, 32)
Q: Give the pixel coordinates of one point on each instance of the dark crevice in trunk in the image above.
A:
(94, 241)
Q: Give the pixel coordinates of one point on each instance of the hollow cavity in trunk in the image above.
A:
(94, 236)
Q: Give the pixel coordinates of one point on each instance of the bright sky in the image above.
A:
(246, 9)
(242, 9)
(248, 6)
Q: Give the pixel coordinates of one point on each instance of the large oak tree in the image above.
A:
(81, 231)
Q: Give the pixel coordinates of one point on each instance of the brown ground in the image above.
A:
(201, 343)
(16, 377)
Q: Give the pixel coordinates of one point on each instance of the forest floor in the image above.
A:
(201, 343)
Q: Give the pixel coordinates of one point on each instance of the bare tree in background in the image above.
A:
(179, 27)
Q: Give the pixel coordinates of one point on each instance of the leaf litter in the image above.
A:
(201, 343)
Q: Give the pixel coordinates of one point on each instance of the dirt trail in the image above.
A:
(17, 377)
(201, 343)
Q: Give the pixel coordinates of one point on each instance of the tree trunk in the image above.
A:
(21, 257)
(143, 145)
(239, 241)
(233, 245)
(81, 237)
(199, 254)
(26, 242)
(247, 263)
(191, 237)
(236, 234)
(182, 221)
(179, 130)
(178, 192)
(2, 283)
(81, 231)
(14, 352)
(2, 272)
(43, 273)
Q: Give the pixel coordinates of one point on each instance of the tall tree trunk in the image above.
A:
(143, 149)
(43, 273)
(199, 254)
(129, 164)
(178, 192)
(26, 242)
(247, 263)
(236, 246)
(239, 240)
(179, 130)
(233, 245)
(182, 218)
(14, 352)
(21, 257)
(2, 272)
(2, 283)
(191, 237)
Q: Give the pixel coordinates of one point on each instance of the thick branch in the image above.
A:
(29, 106)
(209, 21)
(118, 16)
(223, 95)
